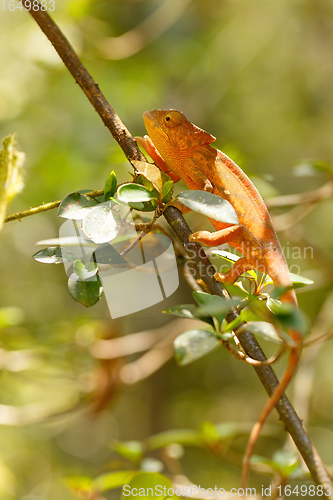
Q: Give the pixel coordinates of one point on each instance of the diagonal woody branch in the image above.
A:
(174, 218)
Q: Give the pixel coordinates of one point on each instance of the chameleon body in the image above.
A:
(183, 150)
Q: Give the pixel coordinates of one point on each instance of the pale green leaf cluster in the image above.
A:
(11, 173)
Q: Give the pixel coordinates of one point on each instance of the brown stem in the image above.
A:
(181, 229)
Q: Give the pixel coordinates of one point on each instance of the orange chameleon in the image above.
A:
(183, 150)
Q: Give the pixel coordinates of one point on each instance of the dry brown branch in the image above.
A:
(158, 343)
(140, 341)
(289, 219)
(325, 191)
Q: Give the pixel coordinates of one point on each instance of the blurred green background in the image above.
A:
(259, 76)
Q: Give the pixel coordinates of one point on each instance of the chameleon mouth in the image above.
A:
(152, 119)
(153, 116)
(150, 114)
(149, 117)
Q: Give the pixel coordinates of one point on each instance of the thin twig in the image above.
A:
(238, 354)
(139, 341)
(46, 206)
(287, 220)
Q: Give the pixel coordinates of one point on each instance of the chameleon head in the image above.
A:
(170, 128)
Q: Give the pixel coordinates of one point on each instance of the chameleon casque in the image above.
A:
(183, 151)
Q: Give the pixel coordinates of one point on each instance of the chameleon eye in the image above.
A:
(173, 118)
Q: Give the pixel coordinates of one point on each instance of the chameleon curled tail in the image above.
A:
(271, 403)
(279, 273)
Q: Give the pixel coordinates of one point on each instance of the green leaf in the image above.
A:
(112, 480)
(101, 224)
(217, 307)
(134, 193)
(279, 291)
(54, 255)
(76, 206)
(186, 437)
(296, 279)
(213, 305)
(147, 206)
(79, 484)
(107, 254)
(87, 292)
(85, 270)
(279, 308)
(202, 298)
(300, 280)
(264, 330)
(182, 311)
(209, 204)
(209, 433)
(288, 316)
(214, 433)
(226, 430)
(193, 345)
(148, 184)
(148, 485)
(110, 187)
(230, 257)
(285, 462)
(167, 190)
(237, 290)
(132, 450)
(11, 173)
(188, 311)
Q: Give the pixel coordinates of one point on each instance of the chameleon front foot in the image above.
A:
(203, 237)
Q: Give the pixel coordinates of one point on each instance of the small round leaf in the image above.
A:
(76, 206)
(54, 255)
(101, 224)
(87, 292)
(134, 193)
(193, 345)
